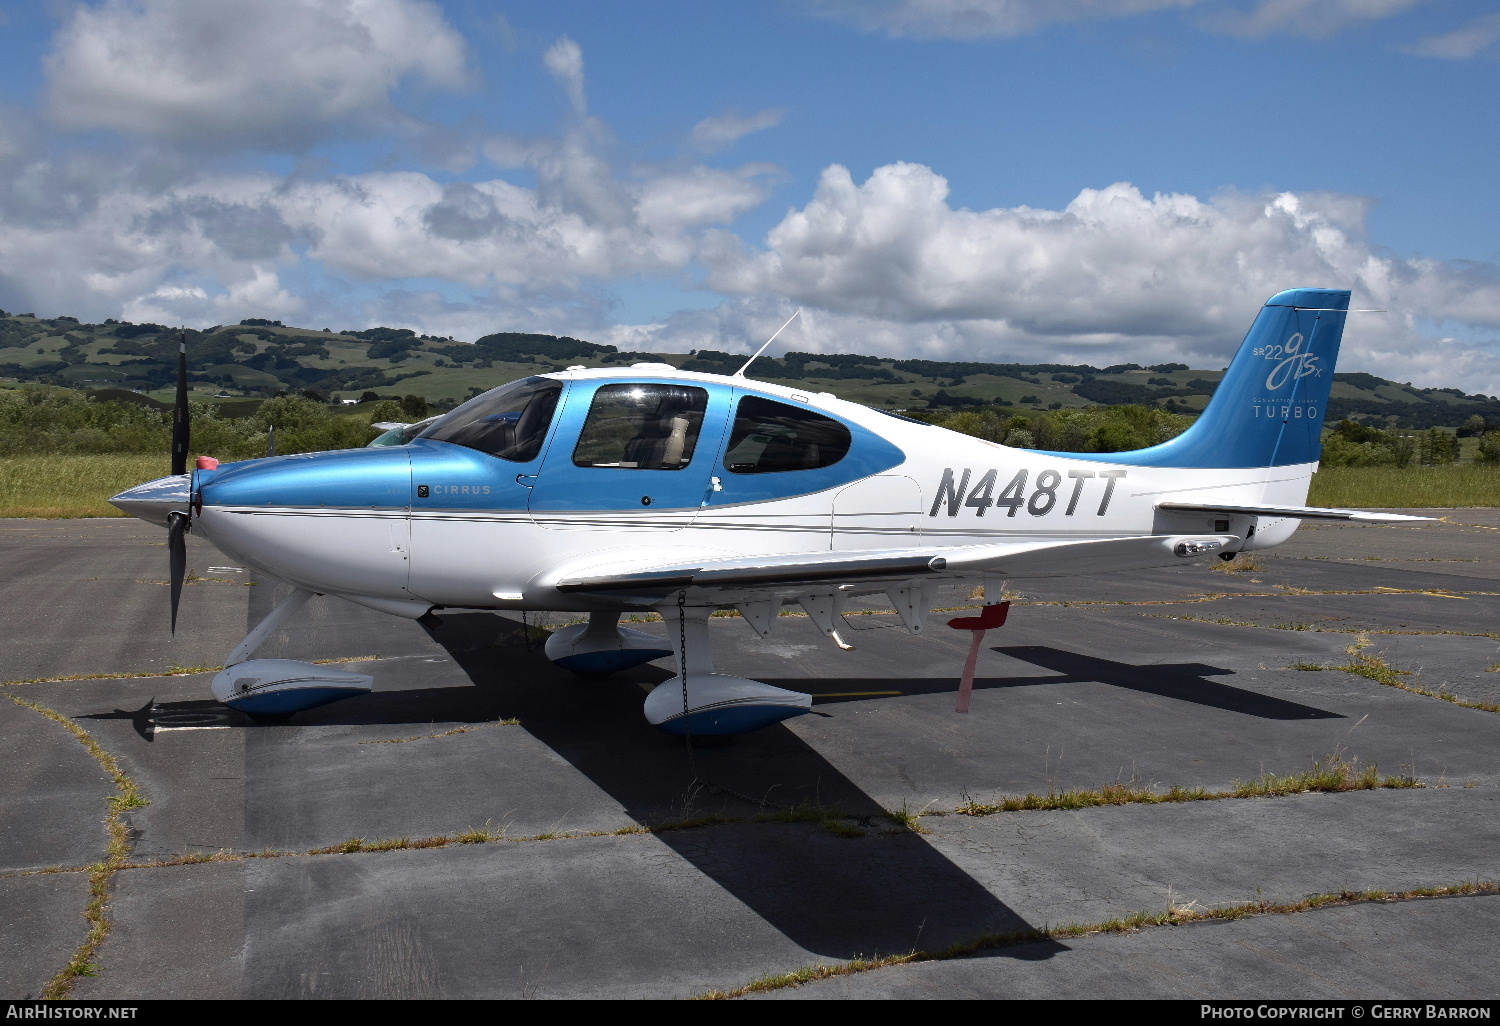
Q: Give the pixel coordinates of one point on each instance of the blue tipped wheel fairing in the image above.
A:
(277, 688)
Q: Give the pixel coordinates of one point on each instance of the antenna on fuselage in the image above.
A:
(741, 372)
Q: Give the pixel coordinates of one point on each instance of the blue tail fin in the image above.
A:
(1268, 410)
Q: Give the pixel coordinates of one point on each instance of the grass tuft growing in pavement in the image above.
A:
(1335, 773)
(1373, 666)
(1241, 564)
(829, 817)
(908, 817)
(1175, 914)
(117, 850)
(446, 733)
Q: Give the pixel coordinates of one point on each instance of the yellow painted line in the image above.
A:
(1434, 594)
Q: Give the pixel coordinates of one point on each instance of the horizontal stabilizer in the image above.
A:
(1297, 512)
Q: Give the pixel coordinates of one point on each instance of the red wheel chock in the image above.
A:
(990, 616)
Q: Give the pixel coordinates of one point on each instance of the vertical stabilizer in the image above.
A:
(1268, 411)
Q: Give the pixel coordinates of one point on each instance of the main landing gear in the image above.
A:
(601, 646)
(711, 704)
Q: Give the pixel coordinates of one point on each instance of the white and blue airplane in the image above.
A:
(645, 488)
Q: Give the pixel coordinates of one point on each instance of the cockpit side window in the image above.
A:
(769, 436)
(509, 422)
(642, 427)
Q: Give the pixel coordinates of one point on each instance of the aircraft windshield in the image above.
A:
(642, 427)
(769, 436)
(510, 422)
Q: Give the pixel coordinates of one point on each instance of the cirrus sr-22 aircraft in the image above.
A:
(650, 488)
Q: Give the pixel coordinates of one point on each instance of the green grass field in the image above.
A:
(64, 485)
(67, 485)
(1460, 484)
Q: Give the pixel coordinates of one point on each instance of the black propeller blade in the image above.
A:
(181, 427)
(177, 530)
(178, 524)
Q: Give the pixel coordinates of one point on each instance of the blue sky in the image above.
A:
(1087, 180)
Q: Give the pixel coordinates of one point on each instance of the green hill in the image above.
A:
(260, 358)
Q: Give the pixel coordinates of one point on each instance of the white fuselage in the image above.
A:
(951, 490)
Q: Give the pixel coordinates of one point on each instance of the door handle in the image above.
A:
(529, 480)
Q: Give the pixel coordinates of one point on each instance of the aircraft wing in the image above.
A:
(1015, 559)
(1298, 512)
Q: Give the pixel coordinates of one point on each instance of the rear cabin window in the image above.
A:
(769, 436)
(642, 427)
(510, 422)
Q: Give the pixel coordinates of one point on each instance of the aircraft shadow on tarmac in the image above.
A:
(155, 716)
(832, 896)
(1185, 682)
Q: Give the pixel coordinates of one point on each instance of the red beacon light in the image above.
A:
(207, 463)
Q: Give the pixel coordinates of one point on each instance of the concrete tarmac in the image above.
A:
(1189, 676)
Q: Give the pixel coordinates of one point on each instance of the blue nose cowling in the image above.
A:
(368, 478)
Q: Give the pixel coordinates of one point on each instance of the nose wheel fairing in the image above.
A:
(275, 687)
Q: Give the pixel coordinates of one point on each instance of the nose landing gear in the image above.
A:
(272, 690)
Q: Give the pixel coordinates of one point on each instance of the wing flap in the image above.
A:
(1053, 557)
(1298, 512)
(792, 568)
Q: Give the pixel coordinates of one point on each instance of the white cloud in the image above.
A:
(1304, 17)
(730, 128)
(885, 266)
(1468, 41)
(394, 225)
(976, 19)
(565, 60)
(264, 73)
(260, 295)
(210, 245)
(147, 234)
(999, 19)
(1113, 273)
